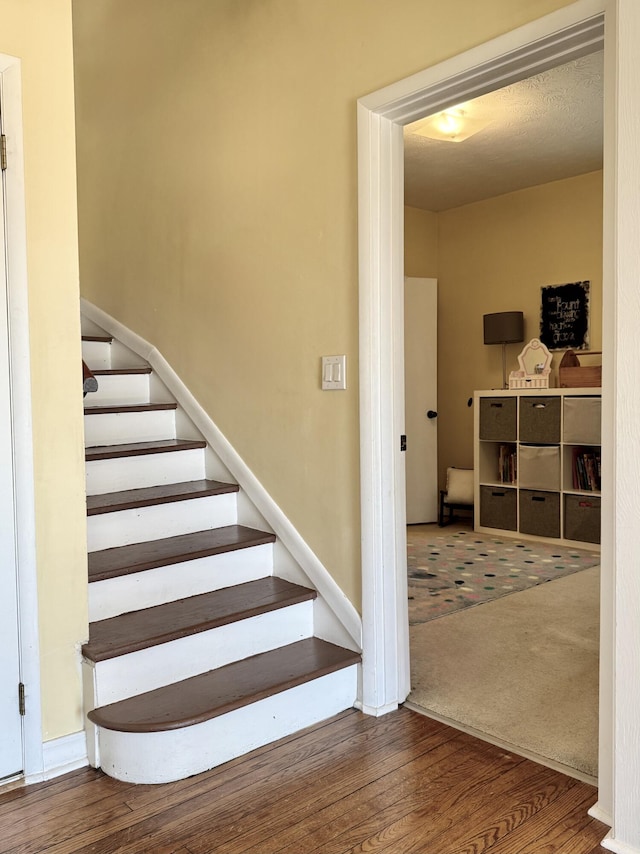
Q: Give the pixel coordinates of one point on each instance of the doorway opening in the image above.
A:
(560, 37)
(494, 215)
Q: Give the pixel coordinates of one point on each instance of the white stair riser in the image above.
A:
(120, 389)
(163, 757)
(137, 672)
(97, 355)
(117, 428)
(108, 530)
(139, 590)
(144, 470)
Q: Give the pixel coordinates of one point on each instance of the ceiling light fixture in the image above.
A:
(451, 125)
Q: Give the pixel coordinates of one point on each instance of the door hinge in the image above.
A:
(21, 703)
(3, 152)
(403, 443)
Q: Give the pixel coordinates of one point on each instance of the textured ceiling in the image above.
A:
(541, 129)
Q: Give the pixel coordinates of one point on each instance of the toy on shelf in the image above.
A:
(535, 367)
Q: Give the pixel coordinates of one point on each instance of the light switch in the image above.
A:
(334, 372)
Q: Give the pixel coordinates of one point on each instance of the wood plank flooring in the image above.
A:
(397, 784)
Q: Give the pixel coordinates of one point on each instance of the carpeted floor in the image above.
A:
(453, 568)
(522, 670)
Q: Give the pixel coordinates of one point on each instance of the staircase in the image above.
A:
(198, 650)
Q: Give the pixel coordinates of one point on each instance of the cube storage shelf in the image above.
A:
(537, 464)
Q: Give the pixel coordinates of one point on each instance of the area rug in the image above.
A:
(522, 670)
(454, 568)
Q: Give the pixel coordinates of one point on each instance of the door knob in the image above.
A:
(431, 414)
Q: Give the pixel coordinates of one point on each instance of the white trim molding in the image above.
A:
(63, 754)
(623, 251)
(600, 814)
(279, 523)
(18, 316)
(618, 847)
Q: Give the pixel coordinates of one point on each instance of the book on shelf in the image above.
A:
(507, 464)
(585, 469)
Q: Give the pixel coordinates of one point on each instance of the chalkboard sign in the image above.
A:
(564, 319)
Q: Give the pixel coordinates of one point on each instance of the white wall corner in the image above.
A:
(64, 754)
(338, 605)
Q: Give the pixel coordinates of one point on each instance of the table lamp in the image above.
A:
(504, 327)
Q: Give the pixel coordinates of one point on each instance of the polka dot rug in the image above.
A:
(454, 568)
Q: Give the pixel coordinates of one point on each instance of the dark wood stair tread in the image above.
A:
(133, 449)
(167, 493)
(116, 372)
(138, 557)
(105, 339)
(200, 698)
(110, 408)
(162, 623)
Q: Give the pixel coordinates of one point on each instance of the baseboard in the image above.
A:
(376, 711)
(611, 844)
(64, 754)
(599, 814)
(282, 527)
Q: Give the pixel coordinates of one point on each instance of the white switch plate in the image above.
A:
(334, 372)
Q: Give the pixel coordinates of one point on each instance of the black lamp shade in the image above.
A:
(503, 327)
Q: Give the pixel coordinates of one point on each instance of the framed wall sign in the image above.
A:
(564, 316)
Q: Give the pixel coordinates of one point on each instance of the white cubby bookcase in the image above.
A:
(537, 464)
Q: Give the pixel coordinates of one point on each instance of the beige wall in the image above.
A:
(495, 256)
(39, 33)
(420, 243)
(217, 176)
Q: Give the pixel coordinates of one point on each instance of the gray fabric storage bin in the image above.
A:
(539, 467)
(582, 417)
(540, 420)
(498, 508)
(539, 513)
(498, 418)
(582, 518)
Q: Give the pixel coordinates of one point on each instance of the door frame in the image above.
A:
(20, 383)
(566, 34)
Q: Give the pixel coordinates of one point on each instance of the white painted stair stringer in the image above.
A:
(133, 757)
(337, 620)
(146, 669)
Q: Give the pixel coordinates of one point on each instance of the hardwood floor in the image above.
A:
(397, 784)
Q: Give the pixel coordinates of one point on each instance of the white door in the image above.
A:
(10, 721)
(421, 378)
